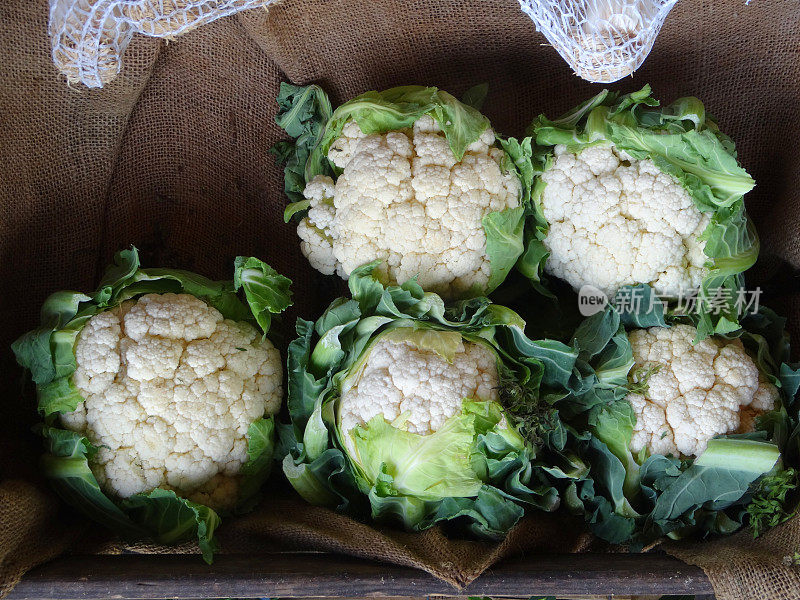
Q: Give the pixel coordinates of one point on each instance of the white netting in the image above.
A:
(602, 40)
(89, 37)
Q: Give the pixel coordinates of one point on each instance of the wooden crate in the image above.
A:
(318, 575)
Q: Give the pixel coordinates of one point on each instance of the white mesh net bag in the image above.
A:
(89, 37)
(602, 40)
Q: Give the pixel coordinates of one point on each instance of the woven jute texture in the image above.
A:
(172, 157)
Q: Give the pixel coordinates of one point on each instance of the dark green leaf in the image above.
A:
(171, 519)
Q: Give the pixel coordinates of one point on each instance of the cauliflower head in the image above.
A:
(694, 392)
(401, 379)
(615, 220)
(404, 198)
(414, 407)
(169, 389)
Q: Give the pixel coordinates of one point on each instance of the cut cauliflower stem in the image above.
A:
(170, 389)
(401, 379)
(404, 198)
(694, 391)
(615, 221)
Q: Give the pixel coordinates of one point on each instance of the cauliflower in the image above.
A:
(694, 392)
(409, 176)
(615, 221)
(664, 435)
(404, 198)
(158, 396)
(429, 416)
(170, 389)
(402, 380)
(632, 194)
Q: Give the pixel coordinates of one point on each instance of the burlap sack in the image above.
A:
(172, 156)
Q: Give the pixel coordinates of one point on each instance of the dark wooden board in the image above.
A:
(330, 576)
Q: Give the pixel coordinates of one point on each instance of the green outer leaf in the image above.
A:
(766, 337)
(476, 96)
(519, 158)
(719, 477)
(257, 469)
(556, 360)
(303, 387)
(485, 496)
(488, 516)
(696, 157)
(430, 467)
(594, 333)
(62, 345)
(296, 208)
(303, 113)
(61, 307)
(171, 519)
(58, 396)
(503, 242)
(33, 348)
(160, 514)
(266, 290)
(535, 255)
(314, 480)
(605, 357)
(683, 142)
(613, 425)
(505, 231)
(315, 436)
(399, 108)
(119, 274)
(789, 376)
(66, 466)
(609, 473)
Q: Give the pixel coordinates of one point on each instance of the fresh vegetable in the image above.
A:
(409, 176)
(690, 393)
(157, 393)
(419, 414)
(684, 439)
(628, 193)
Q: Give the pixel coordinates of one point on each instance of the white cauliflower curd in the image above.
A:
(693, 391)
(170, 389)
(615, 221)
(418, 386)
(404, 198)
